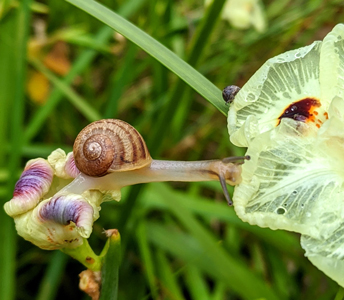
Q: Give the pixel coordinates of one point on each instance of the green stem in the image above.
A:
(52, 277)
(85, 255)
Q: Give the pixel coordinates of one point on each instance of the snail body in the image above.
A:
(115, 152)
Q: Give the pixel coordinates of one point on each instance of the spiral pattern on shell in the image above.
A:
(109, 145)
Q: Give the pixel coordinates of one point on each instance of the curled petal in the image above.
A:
(57, 222)
(32, 185)
(66, 209)
(70, 167)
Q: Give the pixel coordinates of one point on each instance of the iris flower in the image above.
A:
(45, 217)
(290, 116)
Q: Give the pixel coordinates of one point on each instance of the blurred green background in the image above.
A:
(60, 69)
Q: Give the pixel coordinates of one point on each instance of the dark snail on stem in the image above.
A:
(113, 154)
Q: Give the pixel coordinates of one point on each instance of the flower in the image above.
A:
(243, 13)
(290, 115)
(43, 213)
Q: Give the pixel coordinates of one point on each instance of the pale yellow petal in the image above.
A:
(327, 254)
(293, 181)
(282, 80)
(58, 222)
(332, 65)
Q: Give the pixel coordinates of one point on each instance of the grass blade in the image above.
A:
(14, 77)
(196, 284)
(169, 279)
(183, 70)
(112, 259)
(147, 259)
(179, 100)
(52, 277)
(79, 66)
(79, 103)
(215, 259)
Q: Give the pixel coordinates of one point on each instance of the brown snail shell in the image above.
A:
(109, 145)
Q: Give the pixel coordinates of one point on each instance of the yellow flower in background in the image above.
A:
(244, 13)
(38, 87)
(290, 115)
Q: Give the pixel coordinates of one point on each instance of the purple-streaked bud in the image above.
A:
(58, 222)
(70, 167)
(66, 209)
(32, 185)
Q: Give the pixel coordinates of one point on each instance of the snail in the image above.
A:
(113, 154)
(229, 93)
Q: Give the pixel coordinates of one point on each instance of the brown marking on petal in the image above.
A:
(49, 236)
(304, 110)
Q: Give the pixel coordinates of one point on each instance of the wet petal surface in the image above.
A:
(290, 115)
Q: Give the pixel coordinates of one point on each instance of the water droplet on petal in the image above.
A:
(250, 97)
(281, 211)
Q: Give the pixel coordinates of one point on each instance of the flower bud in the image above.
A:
(57, 222)
(34, 182)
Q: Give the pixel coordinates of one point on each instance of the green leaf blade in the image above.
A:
(193, 78)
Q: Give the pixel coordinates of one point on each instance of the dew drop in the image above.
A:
(286, 95)
(250, 97)
(281, 211)
(297, 54)
(295, 193)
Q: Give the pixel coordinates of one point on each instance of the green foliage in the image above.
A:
(179, 241)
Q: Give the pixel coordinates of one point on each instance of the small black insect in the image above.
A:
(229, 92)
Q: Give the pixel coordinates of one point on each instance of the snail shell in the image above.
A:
(229, 93)
(109, 145)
